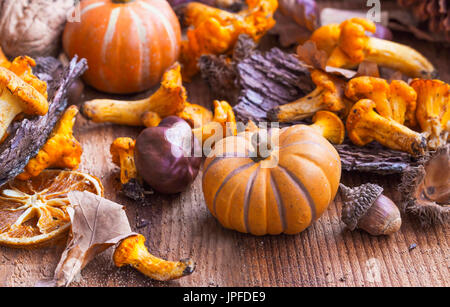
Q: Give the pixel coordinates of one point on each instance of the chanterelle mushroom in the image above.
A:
(17, 96)
(365, 125)
(396, 100)
(224, 121)
(330, 126)
(328, 95)
(355, 46)
(122, 151)
(61, 150)
(22, 67)
(169, 99)
(433, 110)
(215, 31)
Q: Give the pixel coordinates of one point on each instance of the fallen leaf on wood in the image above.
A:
(97, 224)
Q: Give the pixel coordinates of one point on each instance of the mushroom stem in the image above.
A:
(10, 107)
(132, 251)
(328, 95)
(399, 57)
(116, 111)
(300, 109)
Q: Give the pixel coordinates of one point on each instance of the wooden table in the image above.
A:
(180, 226)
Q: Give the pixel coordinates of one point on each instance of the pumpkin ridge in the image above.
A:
(144, 52)
(299, 155)
(169, 31)
(247, 196)
(305, 142)
(108, 39)
(227, 178)
(218, 159)
(227, 222)
(280, 204)
(303, 189)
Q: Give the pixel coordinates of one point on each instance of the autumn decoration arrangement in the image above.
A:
(345, 99)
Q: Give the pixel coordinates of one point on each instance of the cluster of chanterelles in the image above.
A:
(410, 117)
(23, 94)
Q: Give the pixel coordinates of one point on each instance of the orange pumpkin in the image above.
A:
(283, 193)
(128, 43)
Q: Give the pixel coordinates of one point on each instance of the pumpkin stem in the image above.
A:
(262, 144)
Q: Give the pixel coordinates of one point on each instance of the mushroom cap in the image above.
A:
(365, 86)
(353, 39)
(356, 201)
(326, 37)
(333, 127)
(32, 102)
(355, 118)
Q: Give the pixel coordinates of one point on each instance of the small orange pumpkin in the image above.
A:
(128, 43)
(283, 193)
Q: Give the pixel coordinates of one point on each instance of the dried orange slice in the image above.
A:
(34, 211)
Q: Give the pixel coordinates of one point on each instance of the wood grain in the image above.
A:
(326, 254)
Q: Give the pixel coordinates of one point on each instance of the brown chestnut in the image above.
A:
(168, 157)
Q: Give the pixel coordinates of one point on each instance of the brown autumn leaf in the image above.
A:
(97, 224)
(313, 58)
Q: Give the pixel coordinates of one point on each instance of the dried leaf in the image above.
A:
(97, 224)
(312, 56)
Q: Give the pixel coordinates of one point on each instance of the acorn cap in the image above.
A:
(356, 201)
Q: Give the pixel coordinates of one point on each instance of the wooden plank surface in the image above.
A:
(179, 226)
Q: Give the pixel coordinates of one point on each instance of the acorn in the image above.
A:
(365, 207)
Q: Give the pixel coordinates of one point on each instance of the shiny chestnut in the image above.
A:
(168, 157)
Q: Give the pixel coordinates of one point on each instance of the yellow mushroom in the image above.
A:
(132, 251)
(122, 151)
(330, 126)
(328, 95)
(365, 125)
(215, 31)
(169, 99)
(354, 46)
(433, 110)
(61, 150)
(222, 125)
(17, 96)
(396, 100)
